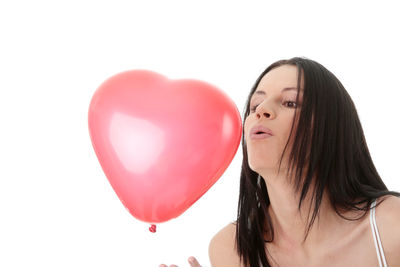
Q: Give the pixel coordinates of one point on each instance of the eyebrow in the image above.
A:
(260, 92)
(283, 90)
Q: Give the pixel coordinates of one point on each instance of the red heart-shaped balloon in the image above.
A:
(162, 143)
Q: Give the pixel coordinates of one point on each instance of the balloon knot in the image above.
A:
(152, 228)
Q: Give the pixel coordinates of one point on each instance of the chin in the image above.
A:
(259, 166)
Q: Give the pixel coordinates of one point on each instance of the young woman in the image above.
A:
(308, 186)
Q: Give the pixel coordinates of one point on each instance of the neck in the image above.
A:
(290, 223)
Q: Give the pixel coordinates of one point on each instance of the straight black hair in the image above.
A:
(328, 144)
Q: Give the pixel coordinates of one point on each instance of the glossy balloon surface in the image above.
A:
(162, 143)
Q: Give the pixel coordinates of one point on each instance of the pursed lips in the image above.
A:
(260, 132)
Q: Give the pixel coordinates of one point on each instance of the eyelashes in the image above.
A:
(252, 109)
(293, 104)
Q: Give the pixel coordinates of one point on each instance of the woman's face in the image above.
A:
(272, 105)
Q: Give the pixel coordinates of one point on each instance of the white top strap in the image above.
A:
(377, 239)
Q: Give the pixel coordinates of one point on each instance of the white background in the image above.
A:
(56, 205)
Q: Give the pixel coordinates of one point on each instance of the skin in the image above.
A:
(331, 238)
(273, 111)
(332, 241)
(192, 261)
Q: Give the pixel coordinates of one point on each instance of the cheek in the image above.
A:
(288, 127)
(246, 129)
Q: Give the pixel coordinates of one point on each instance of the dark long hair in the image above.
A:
(329, 151)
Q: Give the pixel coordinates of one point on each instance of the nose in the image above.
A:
(263, 111)
(266, 114)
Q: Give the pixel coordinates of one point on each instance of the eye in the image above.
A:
(253, 109)
(292, 104)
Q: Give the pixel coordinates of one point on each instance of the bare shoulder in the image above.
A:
(387, 219)
(222, 250)
(388, 210)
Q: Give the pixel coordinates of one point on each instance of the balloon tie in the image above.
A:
(152, 228)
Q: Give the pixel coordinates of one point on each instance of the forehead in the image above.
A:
(279, 78)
